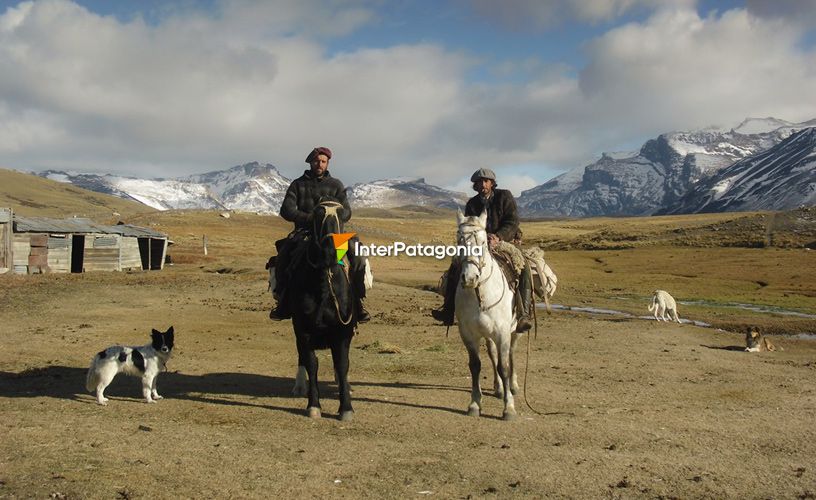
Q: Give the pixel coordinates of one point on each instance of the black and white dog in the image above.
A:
(144, 361)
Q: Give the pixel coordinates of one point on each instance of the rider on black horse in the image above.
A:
(303, 195)
(502, 226)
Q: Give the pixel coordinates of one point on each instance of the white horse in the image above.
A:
(484, 309)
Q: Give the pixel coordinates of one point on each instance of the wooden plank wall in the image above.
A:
(6, 221)
(21, 248)
(59, 253)
(38, 257)
(5, 247)
(129, 257)
(102, 252)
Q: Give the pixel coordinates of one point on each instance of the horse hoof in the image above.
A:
(314, 412)
(507, 416)
(346, 416)
(473, 412)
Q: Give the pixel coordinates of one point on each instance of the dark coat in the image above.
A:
(306, 192)
(502, 214)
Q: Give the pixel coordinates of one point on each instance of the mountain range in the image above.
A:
(761, 164)
(666, 170)
(252, 188)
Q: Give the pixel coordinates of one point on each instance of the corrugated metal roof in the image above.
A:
(79, 225)
(141, 232)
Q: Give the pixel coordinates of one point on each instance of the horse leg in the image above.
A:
(313, 408)
(513, 375)
(498, 388)
(504, 373)
(475, 365)
(340, 357)
(301, 387)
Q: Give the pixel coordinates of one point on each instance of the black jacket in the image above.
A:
(502, 214)
(306, 192)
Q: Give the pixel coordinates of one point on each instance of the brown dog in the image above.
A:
(755, 341)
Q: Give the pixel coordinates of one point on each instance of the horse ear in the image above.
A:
(460, 217)
(483, 219)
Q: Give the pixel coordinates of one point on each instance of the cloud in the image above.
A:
(801, 12)
(194, 91)
(544, 14)
(679, 68)
(198, 91)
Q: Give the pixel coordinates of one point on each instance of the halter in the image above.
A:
(480, 264)
(331, 208)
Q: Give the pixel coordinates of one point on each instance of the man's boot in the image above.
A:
(358, 284)
(281, 311)
(362, 314)
(446, 313)
(524, 295)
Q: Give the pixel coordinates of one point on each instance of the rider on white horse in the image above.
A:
(502, 226)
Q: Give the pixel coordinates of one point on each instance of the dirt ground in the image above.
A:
(623, 407)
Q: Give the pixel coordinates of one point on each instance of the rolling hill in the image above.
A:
(35, 196)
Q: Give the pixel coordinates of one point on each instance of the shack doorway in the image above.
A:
(77, 253)
(144, 252)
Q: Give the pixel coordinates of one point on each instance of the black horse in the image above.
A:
(323, 313)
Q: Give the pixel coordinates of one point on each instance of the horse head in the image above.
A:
(472, 234)
(326, 221)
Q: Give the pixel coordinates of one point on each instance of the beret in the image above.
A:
(318, 151)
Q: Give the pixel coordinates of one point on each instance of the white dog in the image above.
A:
(664, 306)
(144, 361)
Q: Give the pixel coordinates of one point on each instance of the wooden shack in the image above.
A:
(76, 245)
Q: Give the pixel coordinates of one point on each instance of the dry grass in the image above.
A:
(627, 408)
(706, 269)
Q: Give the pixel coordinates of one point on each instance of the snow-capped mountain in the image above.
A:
(161, 194)
(401, 191)
(657, 177)
(781, 178)
(251, 187)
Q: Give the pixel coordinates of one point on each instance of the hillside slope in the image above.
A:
(35, 196)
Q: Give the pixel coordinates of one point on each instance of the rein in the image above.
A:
(329, 276)
(331, 208)
(480, 264)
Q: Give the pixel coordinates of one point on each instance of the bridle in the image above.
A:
(330, 211)
(469, 239)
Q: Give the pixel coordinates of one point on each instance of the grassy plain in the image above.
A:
(625, 407)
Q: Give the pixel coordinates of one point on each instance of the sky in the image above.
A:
(428, 88)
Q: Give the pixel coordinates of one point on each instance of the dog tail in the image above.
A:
(92, 379)
(653, 304)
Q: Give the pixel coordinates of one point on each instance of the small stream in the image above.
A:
(750, 307)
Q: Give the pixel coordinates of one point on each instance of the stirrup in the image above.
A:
(279, 314)
(523, 325)
(362, 315)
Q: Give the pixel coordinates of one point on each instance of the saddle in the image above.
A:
(510, 260)
(505, 262)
